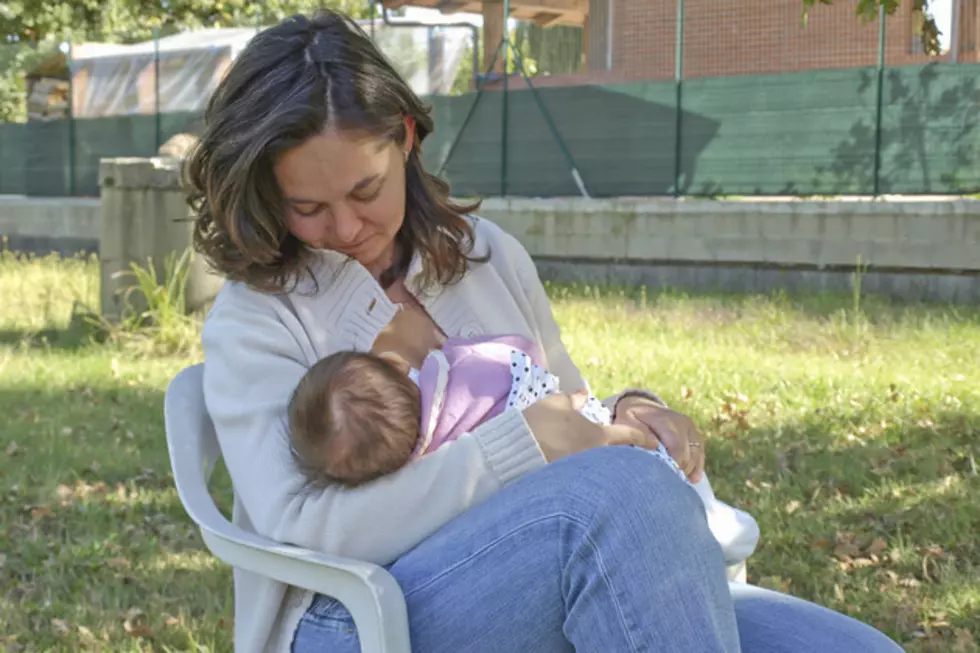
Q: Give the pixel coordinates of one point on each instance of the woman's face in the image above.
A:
(345, 191)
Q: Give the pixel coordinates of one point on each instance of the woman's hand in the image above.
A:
(676, 431)
(411, 334)
(562, 431)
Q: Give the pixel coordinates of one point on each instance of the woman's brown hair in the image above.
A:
(286, 86)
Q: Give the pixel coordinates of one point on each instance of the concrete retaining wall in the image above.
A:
(914, 235)
(145, 218)
(915, 248)
(41, 225)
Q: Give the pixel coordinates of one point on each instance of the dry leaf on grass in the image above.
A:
(134, 623)
(60, 626)
(846, 550)
(963, 642)
(877, 546)
(119, 563)
(41, 512)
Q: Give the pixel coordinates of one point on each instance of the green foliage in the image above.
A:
(47, 23)
(155, 306)
(15, 59)
(463, 83)
(126, 21)
(554, 50)
(869, 10)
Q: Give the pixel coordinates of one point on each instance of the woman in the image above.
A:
(313, 201)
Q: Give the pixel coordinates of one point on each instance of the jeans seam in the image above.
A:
(480, 551)
(592, 543)
(605, 577)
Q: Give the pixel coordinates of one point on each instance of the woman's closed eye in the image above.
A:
(308, 210)
(369, 192)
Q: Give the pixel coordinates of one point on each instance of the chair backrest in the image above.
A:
(370, 593)
(193, 445)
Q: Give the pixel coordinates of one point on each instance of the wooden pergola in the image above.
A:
(546, 13)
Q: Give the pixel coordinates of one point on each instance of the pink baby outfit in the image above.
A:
(469, 381)
(472, 380)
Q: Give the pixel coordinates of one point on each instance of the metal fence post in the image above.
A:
(880, 100)
(504, 117)
(678, 97)
(71, 119)
(157, 129)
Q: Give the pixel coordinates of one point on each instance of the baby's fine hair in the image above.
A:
(353, 417)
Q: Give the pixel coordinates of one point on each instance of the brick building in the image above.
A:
(634, 40)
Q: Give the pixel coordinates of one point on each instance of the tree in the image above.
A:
(123, 21)
(555, 50)
(34, 29)
(869, 10)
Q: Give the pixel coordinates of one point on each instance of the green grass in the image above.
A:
(851, 436)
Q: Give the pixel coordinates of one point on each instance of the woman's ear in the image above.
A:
(409, 135)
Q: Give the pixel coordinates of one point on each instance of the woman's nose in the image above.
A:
(346, 226)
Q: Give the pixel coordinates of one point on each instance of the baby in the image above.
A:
(355, 417)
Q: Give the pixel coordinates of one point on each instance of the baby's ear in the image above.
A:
(395, 361)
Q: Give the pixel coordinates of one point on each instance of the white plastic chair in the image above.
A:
(369, 592)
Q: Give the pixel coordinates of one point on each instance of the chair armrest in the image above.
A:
(368, 591)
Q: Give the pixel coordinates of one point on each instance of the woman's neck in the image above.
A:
(383, 263)
(396, 260)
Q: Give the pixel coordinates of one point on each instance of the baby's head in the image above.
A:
(354, 417)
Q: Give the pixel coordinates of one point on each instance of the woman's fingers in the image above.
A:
(698, 471)
(675, 437)
(621, 434)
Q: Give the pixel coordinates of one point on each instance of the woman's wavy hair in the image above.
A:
(287, 85)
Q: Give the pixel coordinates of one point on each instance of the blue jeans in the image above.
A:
(599, 552)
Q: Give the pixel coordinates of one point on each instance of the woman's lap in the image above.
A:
(542, 566)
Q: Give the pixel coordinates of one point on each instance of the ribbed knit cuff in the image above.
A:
(508, 446)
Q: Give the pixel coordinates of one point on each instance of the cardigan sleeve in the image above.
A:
(253, 360)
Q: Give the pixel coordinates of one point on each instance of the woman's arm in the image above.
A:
(676, 431)
(253, 362)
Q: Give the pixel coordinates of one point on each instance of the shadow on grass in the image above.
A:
(92, 527)
(61, 339)
(880, 527)
(98, 549)
(84, 328)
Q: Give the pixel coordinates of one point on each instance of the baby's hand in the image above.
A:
(627, 419)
